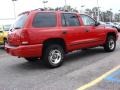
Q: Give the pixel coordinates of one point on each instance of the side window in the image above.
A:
(44, 19)
(20, 21)
(70, 19)
(87, 20)
(63, 20)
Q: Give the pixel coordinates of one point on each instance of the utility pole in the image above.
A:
(111, 15)
(119, 15)
(14, 8)
(98, 16)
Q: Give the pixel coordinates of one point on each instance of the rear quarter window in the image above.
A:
(20, 21)
(44, 19)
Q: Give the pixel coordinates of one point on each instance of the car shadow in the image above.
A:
(81, 54)
(37, 65)
(71, 57)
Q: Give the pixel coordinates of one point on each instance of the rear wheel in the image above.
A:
(53, 56)
(110, 44)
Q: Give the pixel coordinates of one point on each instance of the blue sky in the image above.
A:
(6, 6)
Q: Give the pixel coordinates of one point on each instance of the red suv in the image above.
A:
(49, 35)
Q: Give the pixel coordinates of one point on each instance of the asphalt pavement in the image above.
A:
(79, 68)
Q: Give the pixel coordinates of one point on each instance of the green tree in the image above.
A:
(88, 11)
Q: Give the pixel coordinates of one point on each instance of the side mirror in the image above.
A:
(97, 23)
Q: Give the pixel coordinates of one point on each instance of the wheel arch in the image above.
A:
(58, 41)
(111, 34)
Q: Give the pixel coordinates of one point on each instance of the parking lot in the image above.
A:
(82, 69)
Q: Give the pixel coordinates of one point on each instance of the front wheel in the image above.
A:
(110, 44)
(53, 56)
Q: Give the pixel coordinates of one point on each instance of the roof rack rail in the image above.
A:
(49, 9)
(41, 9)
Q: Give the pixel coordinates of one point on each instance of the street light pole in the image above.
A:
(98, 16)
(111, 15)
(14, 8)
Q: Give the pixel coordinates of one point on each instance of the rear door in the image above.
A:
(16, 29)
(44, 26)
(94, 34)
(72, 30)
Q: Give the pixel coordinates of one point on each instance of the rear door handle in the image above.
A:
(87, 30)
(64, 32)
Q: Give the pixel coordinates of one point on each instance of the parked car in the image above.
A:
(4, 33)
(117, 26)
(49, 35)
(102, 23)
(1, 34)
(6, 27)
(114, 25)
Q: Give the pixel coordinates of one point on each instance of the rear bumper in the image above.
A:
(25, 50)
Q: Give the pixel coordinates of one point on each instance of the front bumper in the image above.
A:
(25, 50)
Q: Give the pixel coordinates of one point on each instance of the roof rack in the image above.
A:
(41, 9)
(57, 9)
(46, 9)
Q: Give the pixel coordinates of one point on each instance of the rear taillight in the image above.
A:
(24, 42)
(24, 37)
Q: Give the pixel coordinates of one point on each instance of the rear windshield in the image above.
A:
(20, 21)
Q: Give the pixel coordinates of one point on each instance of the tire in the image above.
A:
(31, 59)
(118, 30)
(5, 40)
(53, 56)
(110, 44)
(84, 49)
(4, 43)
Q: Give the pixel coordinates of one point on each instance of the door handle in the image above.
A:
(87, 30)
(64, 32)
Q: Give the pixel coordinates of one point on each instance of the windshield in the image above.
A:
(20, 21)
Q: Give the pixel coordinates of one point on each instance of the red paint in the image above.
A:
(75, 38)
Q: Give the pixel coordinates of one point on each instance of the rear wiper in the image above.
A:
(14, 28)
(17, 28)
